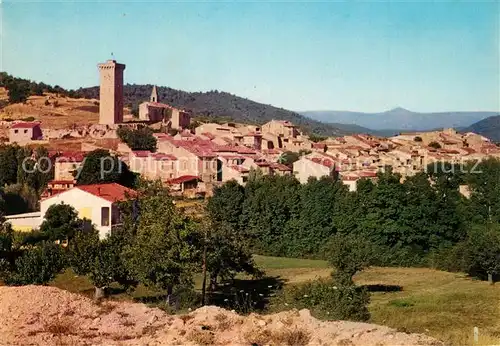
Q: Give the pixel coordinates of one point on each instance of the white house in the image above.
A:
(97, 203)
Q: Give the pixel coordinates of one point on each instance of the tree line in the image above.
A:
(421, 221)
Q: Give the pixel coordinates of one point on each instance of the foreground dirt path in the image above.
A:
(41, 315)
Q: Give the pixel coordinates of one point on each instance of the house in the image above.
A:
(186, 185)
(282, 128)
(23, 132)
(153, 165)
(26, 222)
(97, 203)
(308, 166)
(67, 164)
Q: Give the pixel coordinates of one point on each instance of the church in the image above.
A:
(155, 111)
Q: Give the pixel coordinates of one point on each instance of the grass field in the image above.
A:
(443, 305)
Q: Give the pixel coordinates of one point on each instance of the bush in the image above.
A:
(140, 139)
(28, 119)
(417, 139)
(330, 300)
(435, 145)
(349, 254)
(450, 258)
(38, 265)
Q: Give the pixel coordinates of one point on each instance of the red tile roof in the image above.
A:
(164, 157)
(280, 167)
(111, 192)
(24, 125)
(183, 179)
(325, 162)
(240, 169)
(71, 156)
(141, 153)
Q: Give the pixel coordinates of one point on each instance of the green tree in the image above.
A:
(38, 265)
(164, 253)
(226, 204)
(35, 169)
(349, 254)
(482, 252)
(227, 253)
(288, 158)
(18, 91)
(318, 199)
(483, 180)
(61, 222)
(100, 167)
(8, 164)
(139, 139)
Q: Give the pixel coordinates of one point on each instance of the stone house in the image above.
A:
(282, 128)
(23, 132)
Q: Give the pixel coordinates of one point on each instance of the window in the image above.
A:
(16, 131)
(25, 131)
(105, 216)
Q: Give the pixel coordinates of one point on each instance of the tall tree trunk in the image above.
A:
(490, 278)
(99, 293)
(204, 283)
(168, 301)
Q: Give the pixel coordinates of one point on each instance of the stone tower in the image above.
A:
(111, 92)
(154, 95)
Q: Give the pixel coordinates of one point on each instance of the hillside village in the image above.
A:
(192, 161)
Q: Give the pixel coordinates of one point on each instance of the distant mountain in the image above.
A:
(352, 128)
(400, 118)
(489, 127)
(217, 105)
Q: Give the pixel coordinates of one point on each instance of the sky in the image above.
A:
(359, 56)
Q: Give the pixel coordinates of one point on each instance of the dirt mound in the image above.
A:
(40, 315)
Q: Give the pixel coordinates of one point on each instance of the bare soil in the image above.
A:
(41, 315)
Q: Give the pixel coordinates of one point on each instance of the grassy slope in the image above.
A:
(444, 305)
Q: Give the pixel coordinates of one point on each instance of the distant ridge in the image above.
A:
(489, 128)
(400, 118)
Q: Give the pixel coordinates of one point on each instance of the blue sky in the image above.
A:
(302, 56)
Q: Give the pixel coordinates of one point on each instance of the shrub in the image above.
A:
(38, 265)
(417, 139)
(140, 139)
(435, 145)
(331, 300)
(28, 119)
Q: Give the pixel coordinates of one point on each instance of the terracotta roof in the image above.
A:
(164, 157)
(111, 192)
(183, 179)
(325, 162)
(240, 169)
(62, 182)
(71, 156)
(158, 104)
(280, 167)
(24, 125)
(141, 153)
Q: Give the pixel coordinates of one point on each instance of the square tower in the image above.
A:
(111, 92)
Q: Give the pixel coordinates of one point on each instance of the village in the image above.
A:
(192, 161)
